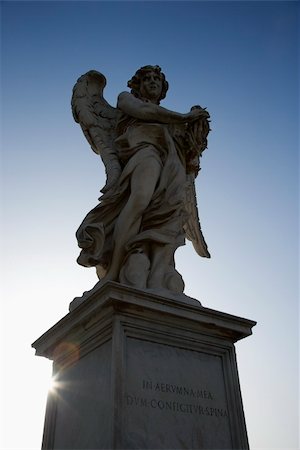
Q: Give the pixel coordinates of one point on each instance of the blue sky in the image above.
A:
(240, 59)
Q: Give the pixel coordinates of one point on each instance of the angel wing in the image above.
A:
(98, 122)
(196, 137)
(192, 227)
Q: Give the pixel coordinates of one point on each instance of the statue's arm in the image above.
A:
(134, 107)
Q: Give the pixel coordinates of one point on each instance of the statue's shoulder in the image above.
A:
(125, 94)
(124, 97)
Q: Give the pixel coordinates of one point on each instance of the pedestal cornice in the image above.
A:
(100, 303)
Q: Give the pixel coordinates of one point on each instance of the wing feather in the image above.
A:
(192, 227)
(196, 143)
(98, 120)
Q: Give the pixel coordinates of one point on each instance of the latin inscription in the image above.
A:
(187, 408)
(179, 390)
(184, 399)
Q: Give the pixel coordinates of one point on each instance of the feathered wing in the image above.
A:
(98, 121)
(192, 227)
(196, 137)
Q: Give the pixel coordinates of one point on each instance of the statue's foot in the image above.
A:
(76, 302)
(79, 300)
(110, 276)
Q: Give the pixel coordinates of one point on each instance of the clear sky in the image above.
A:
(240, 59)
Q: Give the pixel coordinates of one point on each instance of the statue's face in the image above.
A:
(151, 86)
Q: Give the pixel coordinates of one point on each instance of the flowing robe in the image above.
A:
(162, 221)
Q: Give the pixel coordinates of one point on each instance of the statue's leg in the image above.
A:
(143, 183)
(163, 273)
(160, 260)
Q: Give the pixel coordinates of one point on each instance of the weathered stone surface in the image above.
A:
(136, 370)
(151, 157)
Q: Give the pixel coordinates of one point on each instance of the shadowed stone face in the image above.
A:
(151, 86)
(153, 372)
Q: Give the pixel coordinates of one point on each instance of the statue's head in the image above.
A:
(148, 74)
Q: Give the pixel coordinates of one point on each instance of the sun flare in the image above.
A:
(53, 384)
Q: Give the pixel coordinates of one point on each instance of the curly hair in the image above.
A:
(135, 82)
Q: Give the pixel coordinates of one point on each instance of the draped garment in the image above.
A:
(162, 221)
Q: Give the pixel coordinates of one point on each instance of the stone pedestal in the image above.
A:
(135, 370)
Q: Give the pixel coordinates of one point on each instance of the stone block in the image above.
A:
(136, 370)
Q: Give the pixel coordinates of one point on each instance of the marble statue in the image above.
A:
(151, 158)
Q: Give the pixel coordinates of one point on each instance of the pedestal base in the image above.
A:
(135, 370)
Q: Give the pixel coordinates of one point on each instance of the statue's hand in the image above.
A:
(196, 113)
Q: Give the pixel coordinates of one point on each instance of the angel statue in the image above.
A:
(151, 158)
